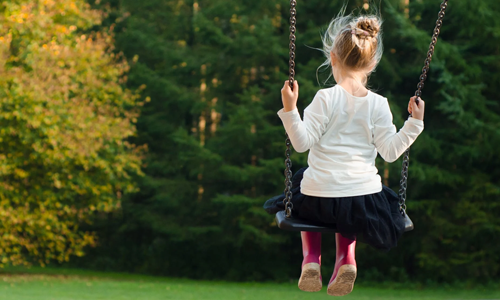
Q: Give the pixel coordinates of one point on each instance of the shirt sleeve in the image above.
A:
(304, 134)
(389, 143)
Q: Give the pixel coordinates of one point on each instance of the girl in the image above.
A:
(344, 127)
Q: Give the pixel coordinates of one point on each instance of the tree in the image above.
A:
(213, 71)
(64, 121)
(454, 173)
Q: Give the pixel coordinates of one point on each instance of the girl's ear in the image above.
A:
(333, 58)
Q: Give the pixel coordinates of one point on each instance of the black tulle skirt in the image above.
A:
(373, 219)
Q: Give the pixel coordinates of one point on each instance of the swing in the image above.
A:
(284, 218)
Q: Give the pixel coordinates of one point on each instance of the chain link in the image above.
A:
(288, 179)
(406, 157)
(288, 162)
(293, 22)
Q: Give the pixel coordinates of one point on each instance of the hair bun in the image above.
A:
(367, 27)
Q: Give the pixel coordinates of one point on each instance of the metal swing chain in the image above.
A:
(418, 93)
(288, 162)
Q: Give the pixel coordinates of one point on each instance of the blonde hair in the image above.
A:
(356, 43)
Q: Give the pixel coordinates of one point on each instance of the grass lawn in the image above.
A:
(80, 285)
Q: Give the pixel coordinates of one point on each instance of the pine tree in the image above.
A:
(213, 71)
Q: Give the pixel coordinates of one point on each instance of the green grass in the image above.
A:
(54, 284)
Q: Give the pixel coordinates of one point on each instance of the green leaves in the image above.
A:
(213, 71)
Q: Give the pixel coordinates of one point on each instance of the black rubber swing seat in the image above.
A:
(296, 224)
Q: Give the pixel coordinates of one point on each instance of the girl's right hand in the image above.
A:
(416, 111)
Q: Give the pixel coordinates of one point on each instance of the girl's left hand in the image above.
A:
(416, 110)
(289, 97)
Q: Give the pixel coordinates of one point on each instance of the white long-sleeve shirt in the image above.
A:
(344, 134)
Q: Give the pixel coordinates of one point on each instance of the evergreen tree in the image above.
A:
(213, 71)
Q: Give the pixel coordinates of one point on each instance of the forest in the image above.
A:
(142, 136)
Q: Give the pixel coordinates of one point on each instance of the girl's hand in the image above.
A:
(289, 97)
(416, 111)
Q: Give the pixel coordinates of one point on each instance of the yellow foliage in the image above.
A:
(63, 119)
